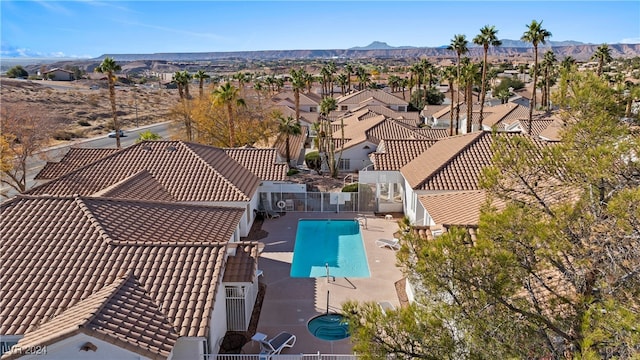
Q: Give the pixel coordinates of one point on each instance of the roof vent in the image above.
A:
(171, 148)
(147, 148)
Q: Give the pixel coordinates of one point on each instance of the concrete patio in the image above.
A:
(289, 302)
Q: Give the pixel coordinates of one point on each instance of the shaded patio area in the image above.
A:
(290, 303)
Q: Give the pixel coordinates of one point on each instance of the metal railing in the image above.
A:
(317, 356)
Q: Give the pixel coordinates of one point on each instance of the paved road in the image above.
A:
(37, 162)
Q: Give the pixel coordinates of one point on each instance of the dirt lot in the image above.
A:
(82, 108)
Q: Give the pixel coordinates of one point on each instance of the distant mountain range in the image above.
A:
(379, 45)
(511, 49)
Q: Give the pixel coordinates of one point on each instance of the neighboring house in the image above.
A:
(372, 97)
(309, 102)
(409, 118)
(451, 164)
(58, 74)
(361, 138)
(95, 277)
(166, 168)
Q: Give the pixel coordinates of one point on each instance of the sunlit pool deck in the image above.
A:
(290, 302)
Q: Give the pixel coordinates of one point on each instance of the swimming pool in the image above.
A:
(336, 243)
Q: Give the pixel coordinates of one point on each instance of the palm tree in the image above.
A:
(109, 67)
(535, 35)
(258, 87)
(241, 78)
(568, 62)
(364, 78)
(332, 70)
(186, 79)
(325, 135)
(469, 74)
(298, 82)
(349, 69)
(228, 95)
(603, 56)
(326, 80)
(343, 81)
(488, 37)
(459, 45)
(416, 71)
(450, 74)
(201, 76)
(548, 62)
(179, 81)
(288, 126)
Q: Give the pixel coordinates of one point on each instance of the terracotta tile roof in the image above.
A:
(430, 110)
(392, 155)
(552, 131)
(454, 163)
(242, 267)
(374, 130)
(289, 110)
(433, 133)
(305, 99)
(220, 178)
(359, 97)
(56, 252)
(111, 314)
(141, 186)
(410, 118)
(460, 208)
(263, 163)
(75, 158)
(503, 114)
(444, 112)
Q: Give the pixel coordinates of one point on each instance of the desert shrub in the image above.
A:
(17, 72)
(84, 123)
(63, 135)
(350, 188)
(313, 160)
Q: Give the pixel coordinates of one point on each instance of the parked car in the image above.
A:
(113, 134)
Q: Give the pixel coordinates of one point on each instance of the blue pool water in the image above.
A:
(337, 243)
(329, 327)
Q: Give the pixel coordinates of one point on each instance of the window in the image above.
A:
(313, 109)
(344, 108)
(345, 164)
(401, 108)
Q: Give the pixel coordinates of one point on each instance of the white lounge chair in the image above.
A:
(391, 244)
(277, 343)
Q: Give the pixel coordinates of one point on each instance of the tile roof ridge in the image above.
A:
(80, 201)
(115, 286)
(189, 148)
(476, 136)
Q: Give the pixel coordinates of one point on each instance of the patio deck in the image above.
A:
(289, 303)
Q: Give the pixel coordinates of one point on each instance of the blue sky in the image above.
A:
(91, 28)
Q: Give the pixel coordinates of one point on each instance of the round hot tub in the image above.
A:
(329, 327)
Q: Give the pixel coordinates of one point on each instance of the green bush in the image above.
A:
(350, 188)
(17, 72)
(313, 160)
(292, 172)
